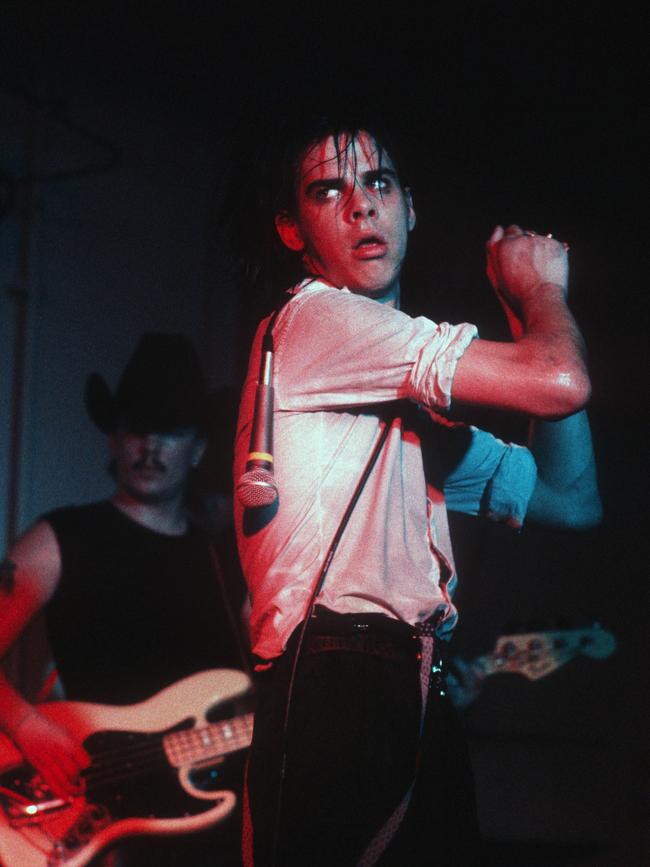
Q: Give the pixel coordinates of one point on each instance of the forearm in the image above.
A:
(14, 709)
(49, 748)
(542, 373)
(566, 493)
(554, 350)
(547, 375)
(544, 317)
(567, 490)
(563, 449)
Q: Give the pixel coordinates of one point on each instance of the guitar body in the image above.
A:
(157, 767)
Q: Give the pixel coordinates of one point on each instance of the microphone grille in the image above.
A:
(257, 488)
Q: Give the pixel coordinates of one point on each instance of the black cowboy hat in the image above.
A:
(162, 388)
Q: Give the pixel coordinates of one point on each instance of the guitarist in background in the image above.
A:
(127, 585)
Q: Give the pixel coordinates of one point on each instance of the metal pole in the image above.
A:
(20, 294)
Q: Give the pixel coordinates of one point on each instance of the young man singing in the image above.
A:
(356, 756)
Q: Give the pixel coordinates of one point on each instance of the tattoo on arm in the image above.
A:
(7, 576)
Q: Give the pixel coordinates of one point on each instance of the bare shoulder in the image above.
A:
(33, 565)
(29, 575)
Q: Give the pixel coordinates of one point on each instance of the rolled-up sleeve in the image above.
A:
(335, 349)
(432, 374)
(493, 478)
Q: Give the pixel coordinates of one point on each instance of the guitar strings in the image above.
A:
(135, 760)
(120, 763)
(108, 766)
(110, 775)
(150, 753)
(189, 739)
(117, 771)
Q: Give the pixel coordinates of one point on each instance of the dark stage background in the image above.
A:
(117, 122)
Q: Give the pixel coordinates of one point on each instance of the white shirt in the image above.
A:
(337, 357)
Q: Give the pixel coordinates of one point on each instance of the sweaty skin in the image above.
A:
(352, 219)
(350, 225)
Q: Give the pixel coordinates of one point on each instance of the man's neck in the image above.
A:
(167, 517)
(390, 297)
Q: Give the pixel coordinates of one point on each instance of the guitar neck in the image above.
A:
(532, 663)
(537, 654)
(488, 664)
(200, 744)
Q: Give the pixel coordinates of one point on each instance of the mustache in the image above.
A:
(149, 461)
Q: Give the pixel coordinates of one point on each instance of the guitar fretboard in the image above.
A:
(207, 742)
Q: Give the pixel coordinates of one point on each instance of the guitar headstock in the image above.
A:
(536, 654)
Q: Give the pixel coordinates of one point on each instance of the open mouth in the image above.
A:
(370, 247)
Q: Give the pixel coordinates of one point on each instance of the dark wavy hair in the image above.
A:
(261, 179)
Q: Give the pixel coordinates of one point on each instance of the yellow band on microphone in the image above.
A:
(260, 456)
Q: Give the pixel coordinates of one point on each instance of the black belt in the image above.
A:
(374, 634)
(325, 621)
(373, 645)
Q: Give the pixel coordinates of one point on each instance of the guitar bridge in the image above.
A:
(25, 798)
(25, 814)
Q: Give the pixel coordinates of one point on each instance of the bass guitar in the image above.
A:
(158, 767)
(532, 654)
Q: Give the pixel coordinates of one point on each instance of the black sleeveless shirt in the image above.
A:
(135, 610)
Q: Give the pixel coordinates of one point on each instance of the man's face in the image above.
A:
(352, 216)
(153, 468)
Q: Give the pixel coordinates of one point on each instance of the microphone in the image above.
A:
(257, 487)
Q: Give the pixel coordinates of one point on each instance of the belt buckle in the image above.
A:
(360, 628)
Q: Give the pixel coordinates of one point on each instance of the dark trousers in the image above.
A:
(353, 751)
